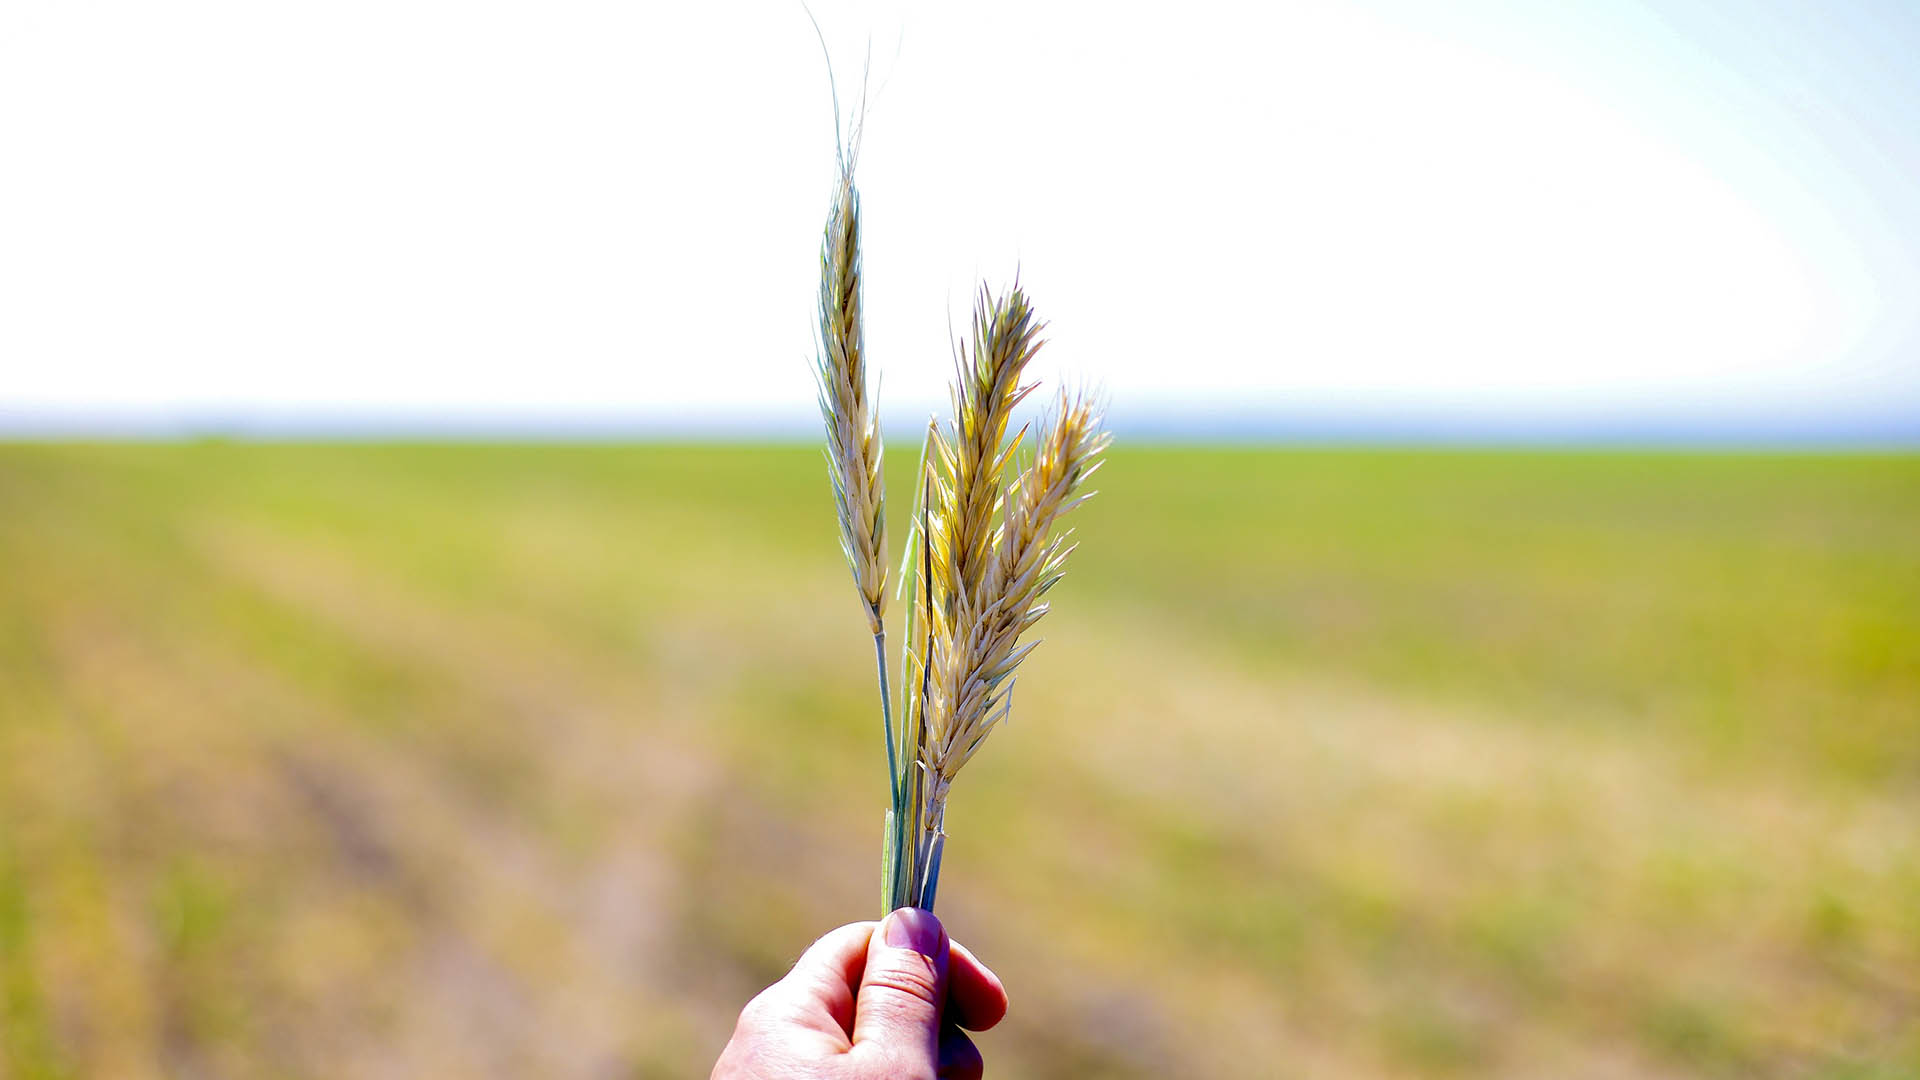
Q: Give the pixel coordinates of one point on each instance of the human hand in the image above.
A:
(870, 1001)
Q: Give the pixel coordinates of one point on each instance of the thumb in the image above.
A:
(896, 1015)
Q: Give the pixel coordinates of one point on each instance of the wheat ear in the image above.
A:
(987, 554)
(846, 405)
(854, 456)
(1030, 557)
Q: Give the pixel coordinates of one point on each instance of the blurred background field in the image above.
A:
(539, 760)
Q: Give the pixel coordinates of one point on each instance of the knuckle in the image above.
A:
(913, 981)
(764, 1008)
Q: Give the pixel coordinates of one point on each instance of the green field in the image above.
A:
(537, 761)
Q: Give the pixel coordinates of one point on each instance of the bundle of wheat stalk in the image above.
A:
(985, 546)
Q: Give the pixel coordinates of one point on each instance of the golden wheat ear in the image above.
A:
(1029, 558)
(969, 496)
(990, 551)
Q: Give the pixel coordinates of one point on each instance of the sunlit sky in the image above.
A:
(424, 213)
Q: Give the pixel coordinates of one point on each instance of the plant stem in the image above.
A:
(886, 717)
(931, 884)
(911, 881)
(895, 782)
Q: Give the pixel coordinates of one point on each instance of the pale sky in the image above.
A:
(479, 212)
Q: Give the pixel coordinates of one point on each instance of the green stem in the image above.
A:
(915, 802)
(890, 861)
(886, 718)
(932, 883)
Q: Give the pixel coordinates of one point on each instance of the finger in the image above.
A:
(823, 980)
(976, 999)
(959, 1058)
(897, 1014)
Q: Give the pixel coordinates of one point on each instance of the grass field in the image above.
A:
(408, 761)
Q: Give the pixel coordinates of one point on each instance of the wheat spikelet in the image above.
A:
(987, 388)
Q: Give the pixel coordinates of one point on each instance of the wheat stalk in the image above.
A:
(855, 465)
(982, 551)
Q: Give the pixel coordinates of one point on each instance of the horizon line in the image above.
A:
(1893, 428)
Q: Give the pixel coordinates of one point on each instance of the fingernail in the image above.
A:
(912, 928)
